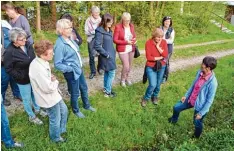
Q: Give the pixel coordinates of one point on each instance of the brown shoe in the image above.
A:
(154, 100)
(143, 102)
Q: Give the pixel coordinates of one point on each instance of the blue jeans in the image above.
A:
(75, 86)
(5, 78)
(5, 129)
(108, 80)
(28, 96)
(184, 106)
(58, 120)
(155, 79)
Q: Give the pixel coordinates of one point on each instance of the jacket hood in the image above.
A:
(5, 24)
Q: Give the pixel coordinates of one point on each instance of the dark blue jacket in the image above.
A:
(105, 46)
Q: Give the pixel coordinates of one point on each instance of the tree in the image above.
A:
(38, 17)
(53, 12)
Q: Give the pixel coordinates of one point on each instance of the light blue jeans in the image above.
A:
(58, 120)
(5, 129)
(28, 96)
(155, 79)
(108, 80)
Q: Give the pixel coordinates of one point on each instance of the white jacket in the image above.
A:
(45, 91)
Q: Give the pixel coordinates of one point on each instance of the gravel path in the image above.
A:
(96, 84)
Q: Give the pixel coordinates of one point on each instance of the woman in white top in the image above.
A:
(45, 88)
(125, 39)
(169, 36)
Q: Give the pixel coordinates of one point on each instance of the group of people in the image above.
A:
(27, 64)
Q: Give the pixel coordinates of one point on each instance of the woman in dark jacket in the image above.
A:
(104, 45)
(17, 59)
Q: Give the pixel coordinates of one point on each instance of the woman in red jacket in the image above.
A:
(125, 39)
(156, 53)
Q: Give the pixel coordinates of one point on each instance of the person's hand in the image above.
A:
(183, 99)
(53, 77)
(198, 117)
(130, 42)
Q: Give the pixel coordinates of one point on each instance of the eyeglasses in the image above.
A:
(24, 39)
(68, 27)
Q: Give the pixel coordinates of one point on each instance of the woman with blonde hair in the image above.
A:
(156, 53)
(125, 39)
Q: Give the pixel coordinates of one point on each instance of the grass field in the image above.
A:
(122, 124)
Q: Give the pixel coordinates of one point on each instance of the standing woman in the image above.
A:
(104, 45)
(125, 38)
(45, 86)
(156, 53)
(91, 23)
(17, 19)
(169, 36)
(17, 59)
(67, 59)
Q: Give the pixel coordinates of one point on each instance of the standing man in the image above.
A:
(200, 95)
(91, 24)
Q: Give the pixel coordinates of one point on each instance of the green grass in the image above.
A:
(122, 124)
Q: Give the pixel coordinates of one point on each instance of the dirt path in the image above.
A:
(96, 84)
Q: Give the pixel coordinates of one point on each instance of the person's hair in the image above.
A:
(125, 15)
(157, 32)
(17, 9)
(67, 16)
(210, 62)
(167, 18)
(16, 33)
(42, 46)
(95, 9)
(61, 25)
(106, 18)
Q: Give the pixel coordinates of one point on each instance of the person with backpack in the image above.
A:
(5, 77)
(169, 36)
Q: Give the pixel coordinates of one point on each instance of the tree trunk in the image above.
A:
(53, 11)
(162, 9)
(182, 8)
(38, 17)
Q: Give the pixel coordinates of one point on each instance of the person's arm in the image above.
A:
(149, 55)
(98, 44)
(209, 98)
(163, 50)
(58, 59)
(88, 31)
(26, 26)
(171, 39)
(116, 37)
(8, 64)
(79, 38)
(45, 84)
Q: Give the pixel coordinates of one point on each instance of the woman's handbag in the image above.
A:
(157, 66)
(137, 52)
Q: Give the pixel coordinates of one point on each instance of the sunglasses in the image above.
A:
(168, 17)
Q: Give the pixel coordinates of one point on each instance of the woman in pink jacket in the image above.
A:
(125, 39)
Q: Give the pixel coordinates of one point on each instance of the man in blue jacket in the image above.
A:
(200, 95)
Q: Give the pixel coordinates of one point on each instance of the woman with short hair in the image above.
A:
(67, 59)
(17, 59)
(104, 45)
(156, 53)
(45, 87)
(125, 39)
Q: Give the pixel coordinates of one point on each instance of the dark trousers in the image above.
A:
(92, 54)
(76, 87)
(170, 51)
(184, 106)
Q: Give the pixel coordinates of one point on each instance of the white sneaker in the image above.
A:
(35, 120)
(123, 84)
(42, 113)
(128, 82)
